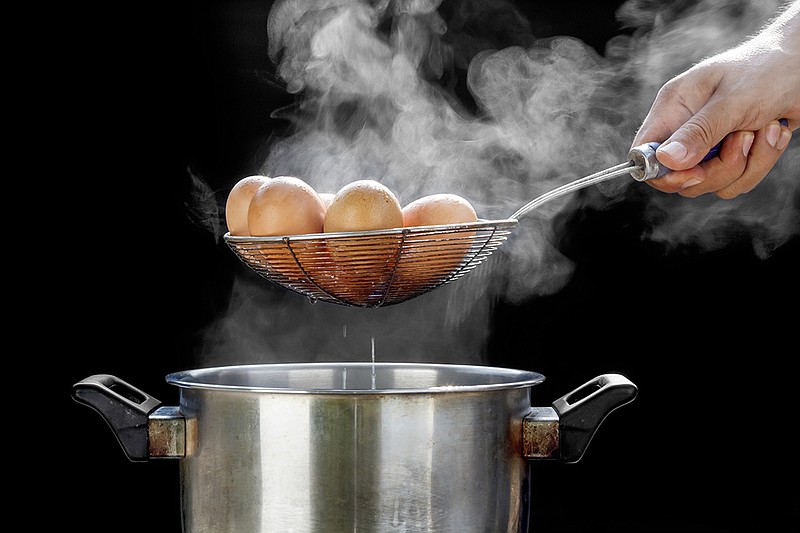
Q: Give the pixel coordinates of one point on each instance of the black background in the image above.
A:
(142, 92)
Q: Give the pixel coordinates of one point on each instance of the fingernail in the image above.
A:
(747, 142)
(773, 134)
(783, 142)
(691, 183)
(674, 149)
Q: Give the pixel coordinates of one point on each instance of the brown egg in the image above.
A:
(363, 265)
(363, 205)
(238, 203)
(430, 257)
(285, 205)
(436, 209)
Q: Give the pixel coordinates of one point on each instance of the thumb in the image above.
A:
(692, 141)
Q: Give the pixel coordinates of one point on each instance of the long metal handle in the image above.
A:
(597, 177)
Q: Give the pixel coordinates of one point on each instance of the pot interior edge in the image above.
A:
(355, 378)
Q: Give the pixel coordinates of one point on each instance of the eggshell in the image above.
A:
(363, 265)
(285, 205)
(437, 209)
(238, 203)
(431, 257)
(363, 205)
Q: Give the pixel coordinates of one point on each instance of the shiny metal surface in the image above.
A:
(645, 164)
(581, 183)
(355, 447)
(374, 268)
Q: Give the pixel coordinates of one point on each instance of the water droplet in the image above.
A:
(373, 362)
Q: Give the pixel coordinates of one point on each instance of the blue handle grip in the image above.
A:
(714, 152)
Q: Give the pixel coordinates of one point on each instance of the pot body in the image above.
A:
(356, 448)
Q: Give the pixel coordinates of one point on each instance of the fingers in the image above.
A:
(770, 142)
(745, 158)
(726, 170)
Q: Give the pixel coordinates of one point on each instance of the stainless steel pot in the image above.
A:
(355, 447)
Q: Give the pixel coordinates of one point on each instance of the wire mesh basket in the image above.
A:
(372, 268)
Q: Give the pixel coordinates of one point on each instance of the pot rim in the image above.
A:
(365, 378)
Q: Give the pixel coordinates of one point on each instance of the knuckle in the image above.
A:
(669, 91)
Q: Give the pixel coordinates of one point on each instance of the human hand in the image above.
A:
(735, 97)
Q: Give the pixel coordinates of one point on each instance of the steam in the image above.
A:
(379, 97)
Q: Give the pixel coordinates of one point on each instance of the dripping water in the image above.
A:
(372, 342)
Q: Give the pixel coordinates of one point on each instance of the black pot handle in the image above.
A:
(582, 411)
(123, 406)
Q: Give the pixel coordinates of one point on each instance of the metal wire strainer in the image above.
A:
(372, 268)
(386, 267)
